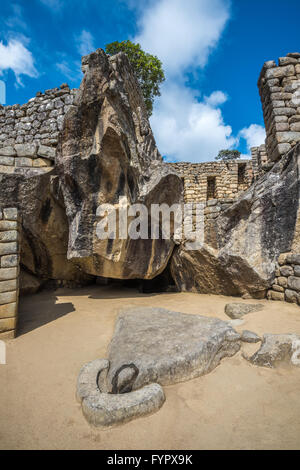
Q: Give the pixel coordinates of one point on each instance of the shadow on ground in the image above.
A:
(112, 291)
(48, 310)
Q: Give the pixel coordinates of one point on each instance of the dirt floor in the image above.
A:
(237, 406)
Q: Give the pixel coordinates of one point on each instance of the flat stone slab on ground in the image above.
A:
(238, 310)
(154, 345)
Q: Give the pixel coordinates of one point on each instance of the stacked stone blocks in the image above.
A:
(29, 133)
(9, 271)
(259, 161)
(279, 88)
(214, 207)
(227, 185)
(26, 156)
(286, 285)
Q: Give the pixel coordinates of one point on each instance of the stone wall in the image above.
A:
(29, 133)
(259, 161)
(211, 210)
(9, 272)
(227, 178)
(214, 207)
(279, 88)
(286, 285)
(27, 155)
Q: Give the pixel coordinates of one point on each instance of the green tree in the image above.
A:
(147, 67)
(226, 155)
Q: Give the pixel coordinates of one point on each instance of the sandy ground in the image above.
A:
(237, 406)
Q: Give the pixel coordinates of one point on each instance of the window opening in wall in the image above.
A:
(211, 187)
(242, 173)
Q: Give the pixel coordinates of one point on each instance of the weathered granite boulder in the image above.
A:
(107, 151)
(237, 310)
(154, 345)
(44, 227)
(242, 245)
(250, 337)
(276, 349)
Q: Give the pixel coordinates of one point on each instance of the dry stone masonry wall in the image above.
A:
(214, 180)
(26, 156)
(9, 271)
(279, 87)
(260, 162)
(286, 285)
(214, 207)
(29, 133)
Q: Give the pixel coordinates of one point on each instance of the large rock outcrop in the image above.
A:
(44, 226)
(243, 244)
(107, 154)
(107, 151)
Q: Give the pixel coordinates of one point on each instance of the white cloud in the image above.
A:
(53, 4)
(71, 70)
(65, 69)
(182, 33)
(16, 21)
(254, 135)
(187, 129)
(15, 56)
(216, 98)
(85, 43)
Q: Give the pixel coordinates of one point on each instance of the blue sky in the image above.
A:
(212, 52)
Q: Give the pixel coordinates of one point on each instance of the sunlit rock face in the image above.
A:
(43, 223)
(106, 152)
